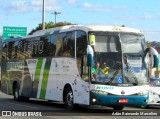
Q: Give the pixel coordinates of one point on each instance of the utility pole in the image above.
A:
(43, 15)
(55, 13)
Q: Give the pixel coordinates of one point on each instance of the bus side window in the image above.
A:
(14, 50)
(20, 50)
(44, 46)
(84, 69)
(4, 51)
(58, 45)
(69, 45)
(10, 48)
(52, 45)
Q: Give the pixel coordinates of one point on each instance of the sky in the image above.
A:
(139, 14)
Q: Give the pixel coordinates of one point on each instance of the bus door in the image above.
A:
(82, 82)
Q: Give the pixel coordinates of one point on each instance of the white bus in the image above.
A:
(57, 64)
(154, 93)
(0, 58)
(154, 87)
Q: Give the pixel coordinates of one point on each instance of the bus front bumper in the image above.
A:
(114, 100)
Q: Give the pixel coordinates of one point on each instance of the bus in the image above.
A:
(0, 58)
(154, 87)
(57, 64)
(154, 92)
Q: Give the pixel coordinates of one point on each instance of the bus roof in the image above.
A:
(78, 27)
(87, 28)
(11, 39)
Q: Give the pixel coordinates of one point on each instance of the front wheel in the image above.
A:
(68, 99)
(145, 107)
(118, 107)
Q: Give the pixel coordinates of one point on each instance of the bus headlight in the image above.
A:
(99, 92)
(143, 93)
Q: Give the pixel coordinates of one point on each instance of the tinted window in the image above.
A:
(81, 44)
(44, 46)
(69, 45)
(59, 42)
(53, 45)
(10, 47)
(20, 49)
(36, 47)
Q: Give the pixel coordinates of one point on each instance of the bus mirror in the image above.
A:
(89, 56)
(155, 56)
(92, 39)
(146, 60)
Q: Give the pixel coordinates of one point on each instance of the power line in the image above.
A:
(55, 13)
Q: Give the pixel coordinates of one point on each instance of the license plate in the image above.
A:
(122, 100)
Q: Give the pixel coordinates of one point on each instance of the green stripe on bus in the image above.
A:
(45, 78)
(37, 75)
(9, 91)
(38, 69)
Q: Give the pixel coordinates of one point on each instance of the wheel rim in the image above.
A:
(69, 98)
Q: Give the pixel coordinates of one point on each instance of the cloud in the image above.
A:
(87, 5)
(1, 18)
(24, 6)
(53, 5)
(120, 7)
(0, 32)
(102, 8)
(95, 8)
(131, 17)
(71, 1)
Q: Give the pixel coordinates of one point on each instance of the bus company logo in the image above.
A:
(104, 88)
(15, 65)
(31, 61)
(6, 113)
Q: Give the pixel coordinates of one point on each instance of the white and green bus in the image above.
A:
(56, 64)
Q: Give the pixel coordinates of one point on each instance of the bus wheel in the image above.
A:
(16, 92)
(145, 107)
(68, 99)
(118, 107)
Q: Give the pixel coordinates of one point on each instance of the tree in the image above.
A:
(50, 25)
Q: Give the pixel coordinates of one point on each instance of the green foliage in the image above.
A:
(50, 25)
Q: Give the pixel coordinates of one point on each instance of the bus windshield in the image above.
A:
(110, 67)
(133, 47)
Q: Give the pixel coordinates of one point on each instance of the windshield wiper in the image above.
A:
(114, 75)
(129, 67)
(130, 81)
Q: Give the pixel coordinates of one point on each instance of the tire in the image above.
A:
(145, 107)
(69, 99)
(118, 107)
(24, 98)
(16, 92)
